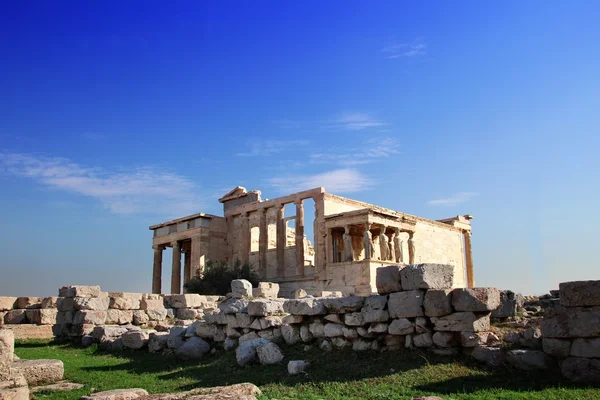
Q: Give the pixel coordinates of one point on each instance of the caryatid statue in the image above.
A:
(398, 248)
(348, 252)
(392, 247)
(384, 246)
(368, 242)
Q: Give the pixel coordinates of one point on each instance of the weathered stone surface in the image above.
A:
(335, 318)
(438, 303)
(15, 317)
(296, 367)
(191, 300)
(299, 294)
(91, 303)
(370, 316)
(379, 327)
(87, 341)
(125, 301)
(29, 303)
(422, 325)
(264, 307)
(269, 354)
(248, 336)
(586, 347)
(406, 304)
(152, 304)
(557, 348)
(305, 333)
(423, 340)
(491, 356)
(64, 304)
(157, 314)
(445, 339)
(307, 306)
(568, 322)
(203, 329)
(427, 276)
(42, 316)
(193, 348)
(7, 303)
(290, 333)
(267, 290)
(462, 321)
(118, 394)
(317, 329)
(401, 326)
(473, 339)
(509, 304)
(37, 372)
(135, 339)
(232, 306)
(240, 391)
(230, 344)
(529, 360)
(49, 302)
(333, 330)
(361, 345)
(186, 313)
(89, 317)
(140, 317)
(475, 299)
(387, 279)
(120, 317)
(579, 293)
(102, 333)
(176, 337)
(292, 319)
(79, 291)
(578, 369)
(344, 305)
(57, 387)
(511, 337)
(7, 349)
(354, 319)
(15, 393)
(247, 351)
(241, 288)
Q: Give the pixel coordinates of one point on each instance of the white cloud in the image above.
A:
(453, 200)
(357, 121)
(146, 189)
(397, 50)
(270, 147)
(372, 150)
(336, 181)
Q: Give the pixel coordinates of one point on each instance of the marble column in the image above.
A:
(300, 237)
(176, 269)
(368, 242)
(245, 237)
(197, 258)
(281, 241)
(157, 268)
(411, 248)
(263, 244)
(469, 258)
(187, 267)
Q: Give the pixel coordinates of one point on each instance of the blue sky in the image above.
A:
(115, 116)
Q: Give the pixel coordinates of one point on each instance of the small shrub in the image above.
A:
(217, 277)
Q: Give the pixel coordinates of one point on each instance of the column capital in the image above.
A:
(158, 247)
(175, 244)
(299, 202)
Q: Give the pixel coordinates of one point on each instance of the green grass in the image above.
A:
(333, 376)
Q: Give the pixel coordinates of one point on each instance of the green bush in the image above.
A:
(217, 277)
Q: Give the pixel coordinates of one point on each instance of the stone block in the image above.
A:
(567, 322)
(46, 316)
(579, 293)
(7, 303)
(125, 301)
(406, 304)
(49, 302)
(445, 339)
(343, 305)
(65, 304)
(474, 339)
(79, 291)
(241, 288)
(317, 329)
(15, 317)
(39, 372)
(193, 349)
(296, 367)
(401, 326)
(583, 347)
(557, 348)
(292, 319)
(91, 303)
(186, 313)
(529, 360)
(462, 321)
(232, 306)
(90, 317)
(117, 394)
(583, 370)
(387, 279)
(490, 356)
(299, 294)
(119, 317)
(135, 339)
(333, 330)
(184, 300)
(7, 350)
(370, 316)
(140, 317)
(157, 314)
(29, 303)
(427, 276)
(423, 340)
(239, 320)
(15, 393)
(308, 306)
(264, 307)
(104, 333)
(354, 319)
(269, 354)
(509, 304)
(147, 304)
(438, 303)
(475, 299)
(267, 290)
(291, 334)
(157, 341)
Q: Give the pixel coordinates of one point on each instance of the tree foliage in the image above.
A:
(217, 277)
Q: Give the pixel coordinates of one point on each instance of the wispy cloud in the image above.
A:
(270, 147)
(373, 149)
(453, 200)
(337, 181)
(411, 49)
(146, 189)
(357, 121)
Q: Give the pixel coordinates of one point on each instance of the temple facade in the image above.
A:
(349, 241)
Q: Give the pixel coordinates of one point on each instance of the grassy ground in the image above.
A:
(334, 376)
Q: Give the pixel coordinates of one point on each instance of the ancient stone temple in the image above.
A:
(351, 239)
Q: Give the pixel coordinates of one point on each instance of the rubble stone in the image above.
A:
(406, 304)
(388, 279)
(579, 293)
(38, 372)
(475, 299)
(427, 276)
(462, 321)
(79, 291)
(438, 303)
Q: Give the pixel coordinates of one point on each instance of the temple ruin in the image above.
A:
(351, 240)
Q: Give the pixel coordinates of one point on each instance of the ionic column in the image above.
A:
(300, 237)
(263, 243)
(411, 248)
(245, 227)
(157, 268)
(281, 242)
(469, 257)
(176, 269)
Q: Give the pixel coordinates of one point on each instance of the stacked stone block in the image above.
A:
(571, 332)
